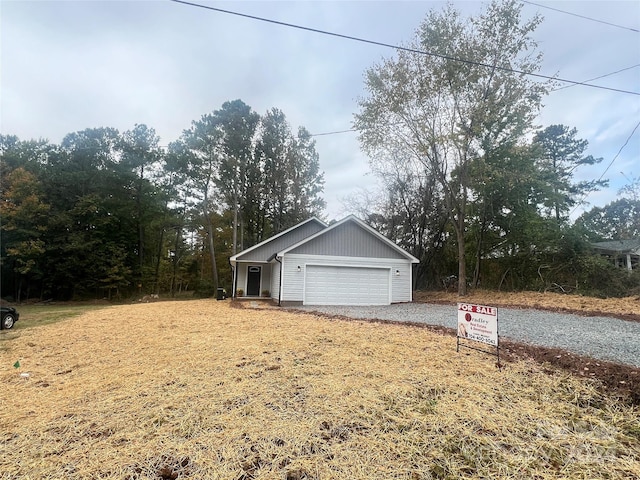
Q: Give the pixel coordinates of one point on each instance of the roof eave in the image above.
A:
(236, 257)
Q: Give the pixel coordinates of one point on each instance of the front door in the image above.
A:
(253, 281)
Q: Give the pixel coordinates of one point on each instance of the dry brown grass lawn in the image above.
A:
(628, 307)
(202, 390)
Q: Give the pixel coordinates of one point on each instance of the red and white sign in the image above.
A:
(478, 323)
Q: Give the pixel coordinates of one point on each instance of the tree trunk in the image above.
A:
(156, 275)
(459, 226)
(140, 225)
(462, 268)
(234, 247)
(175, 260)
(20, 289)
(476, 272)
(212, 252)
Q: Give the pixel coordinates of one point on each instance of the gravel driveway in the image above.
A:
(601, 338)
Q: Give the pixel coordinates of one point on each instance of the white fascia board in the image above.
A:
(234, 258)
(338, 261)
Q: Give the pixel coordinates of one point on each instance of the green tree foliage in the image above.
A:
(23, 224)
(461, 180)
(110, 214)
(239, 173)
(251, 166)
(88, 243)
(306, 180)
(197, 156)
(274, 148)
(16, 153)
(292, 181)
(93, 213)
(449, 114)
(139, 154)
(619, 220)
(504, 221)
(560, 153)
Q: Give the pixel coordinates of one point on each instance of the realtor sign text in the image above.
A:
(478, 323)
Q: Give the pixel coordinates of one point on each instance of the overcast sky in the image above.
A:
(71, 65)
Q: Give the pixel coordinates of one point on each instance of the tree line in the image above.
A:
(113, 214)
(471, 186)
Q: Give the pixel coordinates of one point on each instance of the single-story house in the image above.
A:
(312, 263)
(623, 253)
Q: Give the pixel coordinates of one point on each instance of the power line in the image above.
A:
(608, 166)
(396, 47)
(333, 133)
(582, 16)
(601, 76)
(619, 151)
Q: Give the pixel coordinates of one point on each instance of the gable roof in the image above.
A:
(267, 248)
(361, 224)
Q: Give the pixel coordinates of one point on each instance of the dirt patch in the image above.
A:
(622, 381)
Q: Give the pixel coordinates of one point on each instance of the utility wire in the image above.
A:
(608, 167)
(619, 151)
(332, 133)
(601, 76)
(582, 16)
(396, 47)
(411, 50)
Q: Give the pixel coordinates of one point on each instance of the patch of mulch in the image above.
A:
(621, 381)
(631, 317)
(616, 379)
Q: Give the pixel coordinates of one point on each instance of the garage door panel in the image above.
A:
(341, 285)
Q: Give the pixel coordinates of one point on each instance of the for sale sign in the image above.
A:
(478, 323)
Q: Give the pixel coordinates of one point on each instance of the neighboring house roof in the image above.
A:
(265, 250)
(619, 246)
(320, 243)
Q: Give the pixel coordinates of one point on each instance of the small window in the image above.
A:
(254, 269)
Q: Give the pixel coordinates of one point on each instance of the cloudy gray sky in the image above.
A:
(71, 65)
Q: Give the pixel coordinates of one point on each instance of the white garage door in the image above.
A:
(330, 285)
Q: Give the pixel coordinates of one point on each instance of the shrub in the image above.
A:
(203, 289)
(598, 277)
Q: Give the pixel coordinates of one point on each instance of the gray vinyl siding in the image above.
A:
(266, 278)
(402, 285)
(293, 287)
(348, 240)
(241, 277)
(262, 253)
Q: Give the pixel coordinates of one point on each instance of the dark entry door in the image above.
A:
(253, 281)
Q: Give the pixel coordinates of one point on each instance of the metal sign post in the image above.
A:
(478, 323)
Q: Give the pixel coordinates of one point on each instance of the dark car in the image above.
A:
(9, 317)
